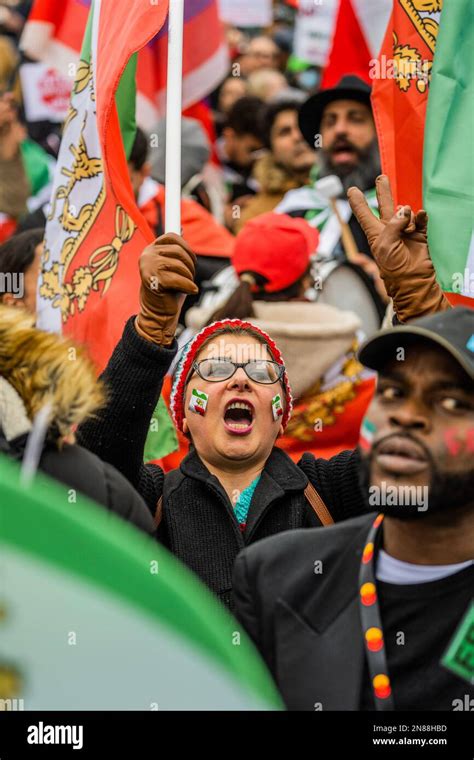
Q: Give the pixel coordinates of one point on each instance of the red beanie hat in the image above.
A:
(276, 246)
(189, 356)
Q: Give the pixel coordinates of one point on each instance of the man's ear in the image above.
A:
(185, 427)
(281, 430)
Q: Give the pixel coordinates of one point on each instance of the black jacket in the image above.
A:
(306, 624)
(198, 524)
(80, 470)
(297, 596)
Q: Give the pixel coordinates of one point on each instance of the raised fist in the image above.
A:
(167, 269)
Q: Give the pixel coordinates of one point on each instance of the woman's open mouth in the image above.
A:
(239, 417)
(401, 456)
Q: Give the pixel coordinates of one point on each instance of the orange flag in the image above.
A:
(401, 77)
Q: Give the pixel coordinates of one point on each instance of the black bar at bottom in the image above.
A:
(132, 734)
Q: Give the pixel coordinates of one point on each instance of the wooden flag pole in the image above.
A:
(173, 117)
(348, 243)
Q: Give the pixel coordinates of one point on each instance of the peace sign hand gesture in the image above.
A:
(399, 244)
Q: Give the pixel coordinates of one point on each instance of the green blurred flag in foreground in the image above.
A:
(95, 616)
(448, 162)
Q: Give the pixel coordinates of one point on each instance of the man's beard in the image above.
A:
(362, 175)
(446, 491)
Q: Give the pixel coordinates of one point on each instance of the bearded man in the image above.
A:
(376, 613)
(339, 123)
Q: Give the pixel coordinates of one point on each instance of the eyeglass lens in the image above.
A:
(261, 371)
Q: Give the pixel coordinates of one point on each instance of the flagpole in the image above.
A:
(173, 117)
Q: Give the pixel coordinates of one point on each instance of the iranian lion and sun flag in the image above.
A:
(425, 121)
(95, 232)
(422, 97)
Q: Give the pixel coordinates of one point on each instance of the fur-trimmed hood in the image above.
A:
(273, 178)
(14, 420)
(37, 368)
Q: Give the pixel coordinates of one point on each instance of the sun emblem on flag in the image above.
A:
(71, 217)
(409, 63)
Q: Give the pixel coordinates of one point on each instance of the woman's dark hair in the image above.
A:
(18, 252)
(239, 305)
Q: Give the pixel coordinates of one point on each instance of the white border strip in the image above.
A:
(95, 41)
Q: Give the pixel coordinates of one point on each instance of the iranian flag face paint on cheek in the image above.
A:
(367, 434)
(198, 402)
(277, 408)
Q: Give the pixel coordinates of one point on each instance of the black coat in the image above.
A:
(305, 620)
(81, 470)
(199, 525)
(306, 624)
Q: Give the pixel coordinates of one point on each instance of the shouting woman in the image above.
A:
(232, 399)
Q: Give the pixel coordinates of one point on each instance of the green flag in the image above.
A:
(95, 616)
(448, 162)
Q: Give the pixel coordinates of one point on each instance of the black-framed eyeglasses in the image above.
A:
(261, 371)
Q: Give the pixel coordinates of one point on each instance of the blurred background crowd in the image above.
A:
(282, 128)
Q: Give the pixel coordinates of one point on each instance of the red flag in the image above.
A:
(400, 96)
(89, 280)
(349, 50)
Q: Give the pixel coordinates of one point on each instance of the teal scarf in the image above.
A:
(242, 506)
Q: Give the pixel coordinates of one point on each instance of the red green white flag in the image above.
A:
(54, 31)
(95, 233)
(422, 100)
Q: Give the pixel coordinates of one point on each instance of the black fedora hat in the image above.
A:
(350, 87)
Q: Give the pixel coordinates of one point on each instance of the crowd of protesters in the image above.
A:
(310, 363)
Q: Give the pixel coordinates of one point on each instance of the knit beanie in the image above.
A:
(192, 350)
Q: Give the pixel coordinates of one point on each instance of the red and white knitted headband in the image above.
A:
(186, 362)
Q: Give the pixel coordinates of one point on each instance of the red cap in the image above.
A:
(276, 246)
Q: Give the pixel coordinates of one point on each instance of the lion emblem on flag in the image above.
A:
(77, 199)
(410, 65)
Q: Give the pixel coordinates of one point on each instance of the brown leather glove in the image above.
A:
(167, 272)
(399, 244)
